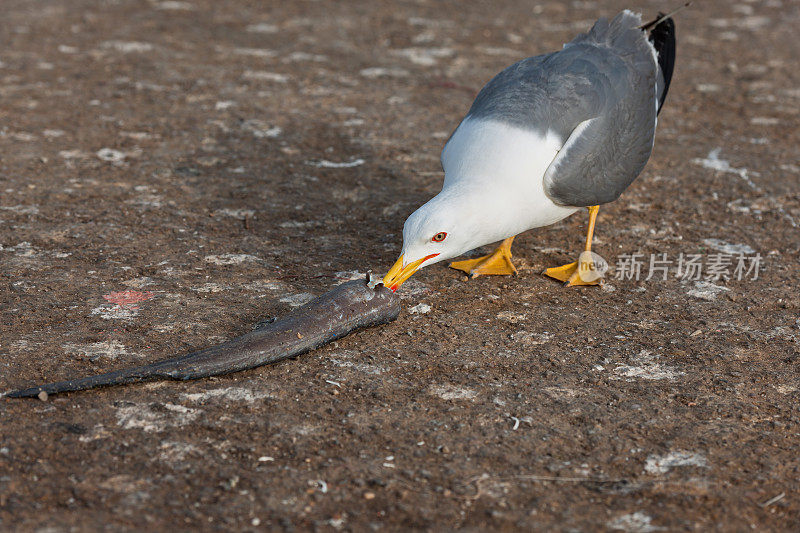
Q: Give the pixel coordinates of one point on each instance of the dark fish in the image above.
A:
(348, 307)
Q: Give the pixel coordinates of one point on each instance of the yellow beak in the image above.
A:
(398, 274)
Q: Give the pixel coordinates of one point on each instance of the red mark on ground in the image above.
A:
(128, 299)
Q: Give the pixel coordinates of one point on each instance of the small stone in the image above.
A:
(369, 495)
(42, 396)
(420, 309)
(110, 155)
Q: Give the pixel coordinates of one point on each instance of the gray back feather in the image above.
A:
(606, 76)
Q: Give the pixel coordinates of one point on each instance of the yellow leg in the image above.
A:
(497, 263)
(583, 271)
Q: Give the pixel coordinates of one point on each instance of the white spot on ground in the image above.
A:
(747, 23)
(261, 75)
(420, 309)
(452, 392)
(114, 312)
(379, 72)
(708, 87)
(23, 249)
(209, 287)
(262, 27)
(728, 248)
(230, 259)
(296, 300)
(424, 56)
(127, 47)
(96, 350)
(236, 213)
(26, 249)
(765, 121)
(350, 275)
(637, 522)
(255, 52)
(714, 162)
(172, 5)
(646, 366)
(261, 129)
(661, 464)
(499, 51)
(155, 417)
(706, 290)
(53, 133)
(234, 394)
(110, 155)
(22, 136)
(21, 210)
(73, 154)
(330, 164)
(223, 105)
(297, 224)
(340, 359)
(304, 56)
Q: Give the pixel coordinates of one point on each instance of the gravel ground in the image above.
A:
(173, 172)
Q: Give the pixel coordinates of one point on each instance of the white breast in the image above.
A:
(508, 163)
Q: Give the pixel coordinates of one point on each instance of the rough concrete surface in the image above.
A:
(173, 172)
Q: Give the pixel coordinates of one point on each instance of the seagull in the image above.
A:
(547, 136)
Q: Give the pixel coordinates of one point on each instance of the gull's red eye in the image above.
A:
(439, 237)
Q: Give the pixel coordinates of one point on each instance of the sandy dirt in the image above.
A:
(173, 172)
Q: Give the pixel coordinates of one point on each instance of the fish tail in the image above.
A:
(161, 369)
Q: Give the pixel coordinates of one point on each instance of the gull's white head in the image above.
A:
(448, 225)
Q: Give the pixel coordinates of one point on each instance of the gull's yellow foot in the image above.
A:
(562, 273)
(584, 271)
(498, 263)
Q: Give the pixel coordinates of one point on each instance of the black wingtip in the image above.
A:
(662, 35)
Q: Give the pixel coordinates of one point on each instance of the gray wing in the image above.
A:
(598, 95)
